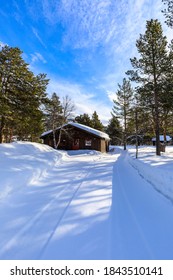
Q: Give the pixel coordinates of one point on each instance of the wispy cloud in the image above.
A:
(110, 27)
(38, 37)
(122, 46)
(86, 23)
(89, 23)
(94, 22)
(84, 101)
(37, 57)
(17, 13)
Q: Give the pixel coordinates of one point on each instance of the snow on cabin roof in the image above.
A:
(83, 127)
(90, 130)
(45, 133)
(168, 138)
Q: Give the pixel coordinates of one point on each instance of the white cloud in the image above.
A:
(123, 46)
(2, 44)
(84, 101)
(112, 95)
(38, 37)
(37, 57)
(110, 24)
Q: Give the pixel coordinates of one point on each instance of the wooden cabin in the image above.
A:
(75, 136)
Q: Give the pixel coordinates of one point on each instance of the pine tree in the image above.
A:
(21, 96)
(114, 131)
(150, 70)
(84, 119)
(95, 122)
(53, 115)
(122, 106)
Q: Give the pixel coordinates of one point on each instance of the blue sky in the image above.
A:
(83, 46)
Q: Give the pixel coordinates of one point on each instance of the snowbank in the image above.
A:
(155, 169)
(21, 163)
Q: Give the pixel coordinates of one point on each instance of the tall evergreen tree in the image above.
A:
(96, 123)
(84, 119)
(21, 95)
(53, 112)
(122, 106)
(150, 69)
(114, 131)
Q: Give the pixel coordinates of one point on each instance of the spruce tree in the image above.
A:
(122, 106)
(21, 96)
(53, 116)
(95, 122)
(149, 71)
(114, 131)
(84, 119)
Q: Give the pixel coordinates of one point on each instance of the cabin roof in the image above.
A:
(86, 128)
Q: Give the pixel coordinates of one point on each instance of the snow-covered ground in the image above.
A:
(84, 204)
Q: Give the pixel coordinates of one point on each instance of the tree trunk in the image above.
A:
(54, 139)
(59, 138)
(156, 106)
(136, 126)
(157, 136)
(164, 130)
(125, 130)
(2, 128)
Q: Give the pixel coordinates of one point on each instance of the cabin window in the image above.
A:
(88, 142)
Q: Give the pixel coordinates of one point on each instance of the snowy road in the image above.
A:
(89, 206)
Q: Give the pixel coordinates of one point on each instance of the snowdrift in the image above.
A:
(157, 170)
(21, 163)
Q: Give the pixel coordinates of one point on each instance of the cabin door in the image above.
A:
(75, 144)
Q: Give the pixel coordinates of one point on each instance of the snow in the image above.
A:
(156, 170)
(91, 130)
(168, 138)
(83, 127)
(85, 204)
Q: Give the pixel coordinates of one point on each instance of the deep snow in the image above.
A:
(84, 204)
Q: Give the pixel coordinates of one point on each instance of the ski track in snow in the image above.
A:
(141, 223)
(39, 216)
(128, 204)
(21, 235)
(31, 223)
(61, 217)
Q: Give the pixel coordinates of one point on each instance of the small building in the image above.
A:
(75, 136)
(168, 140)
